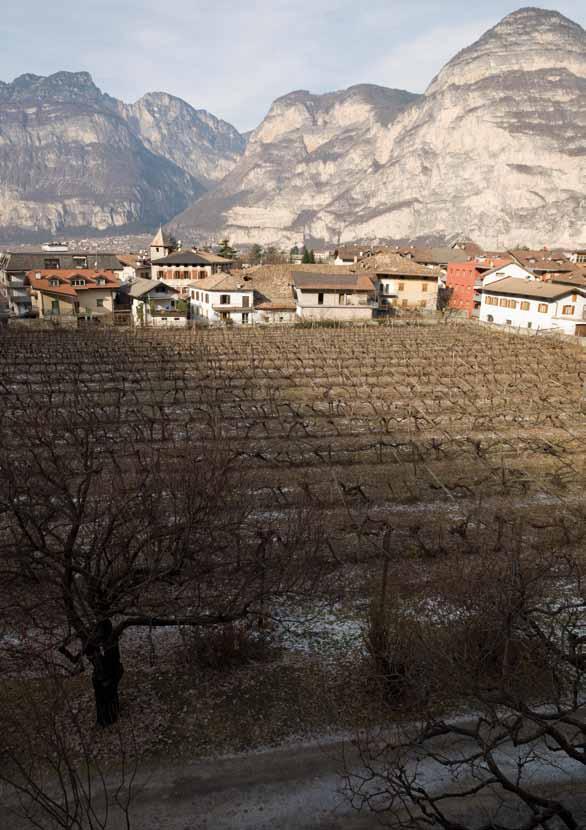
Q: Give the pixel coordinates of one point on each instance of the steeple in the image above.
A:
(162, 245)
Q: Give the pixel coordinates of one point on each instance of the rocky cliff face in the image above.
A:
(72, 158)
(309, 150)
(495, 150)
(198, 142)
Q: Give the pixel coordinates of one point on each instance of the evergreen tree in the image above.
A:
(306, 258)
(312, 257)
(227, 250)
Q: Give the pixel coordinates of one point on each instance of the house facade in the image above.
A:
(341, 298)
(411, 290)
(534, 304)
(134, 267)
(15, 267)
(275, 312)
(222, 298)
(153, 303)
(79, 293)
(182, 268)
(461, 283)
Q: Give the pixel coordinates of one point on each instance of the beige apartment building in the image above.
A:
(411, 290)
(83, 292)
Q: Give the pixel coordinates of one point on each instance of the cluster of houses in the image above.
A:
(173, 287)
(541, 290)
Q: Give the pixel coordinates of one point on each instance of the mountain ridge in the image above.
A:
(73, 158)
(494, 149)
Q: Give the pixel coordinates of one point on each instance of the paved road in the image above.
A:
(292, 788)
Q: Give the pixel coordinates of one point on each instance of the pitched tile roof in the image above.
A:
(393, 264)
(42, 280)
(528, 288)
(141, 287)
(222, 282)
(332, 282)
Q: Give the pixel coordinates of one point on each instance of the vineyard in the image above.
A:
(329, 450)
(400, 419)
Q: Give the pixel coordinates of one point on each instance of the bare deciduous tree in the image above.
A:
(499, 641)
(112, 520)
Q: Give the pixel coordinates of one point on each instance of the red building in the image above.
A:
(461, 280)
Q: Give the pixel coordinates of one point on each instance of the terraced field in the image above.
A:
(365, 422)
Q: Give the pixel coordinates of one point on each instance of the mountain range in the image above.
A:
(75, 159)
(495, 150)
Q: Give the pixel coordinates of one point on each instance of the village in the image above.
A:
(169, 285)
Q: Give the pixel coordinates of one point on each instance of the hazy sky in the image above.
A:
(234, 57)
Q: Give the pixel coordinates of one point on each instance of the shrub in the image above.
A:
(225, 647)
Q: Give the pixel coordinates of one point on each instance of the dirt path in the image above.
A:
(295, 787)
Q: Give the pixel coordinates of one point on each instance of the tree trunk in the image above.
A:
(106, 676)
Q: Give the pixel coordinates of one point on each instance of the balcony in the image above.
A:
(168, 312)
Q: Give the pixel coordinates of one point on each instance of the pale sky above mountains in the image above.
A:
(234, 57)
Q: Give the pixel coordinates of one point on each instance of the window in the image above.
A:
(542, 308)
(54, 283)
(341, 299)
(177, 275)
(186, 275)
(401, 286)
(529, 325)
(245, 302)
(100, 281)
(422, 303)
(525, 306)
(404, 303)
(320, 299)
(224, 299)
(424, 287)
(80, 262)
(100, 303)
(574, 298)
(160, 275)
(489, 318)
(568, 310)
(54, 306)
(50, 264)
(77, 282)
(207, 298)
(245, 318)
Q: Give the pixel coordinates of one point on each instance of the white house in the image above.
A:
(509, 270)
(349, 256)
(533, 304)
(182, 268)
(222, 298)
(154, 303)
(347, 298)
